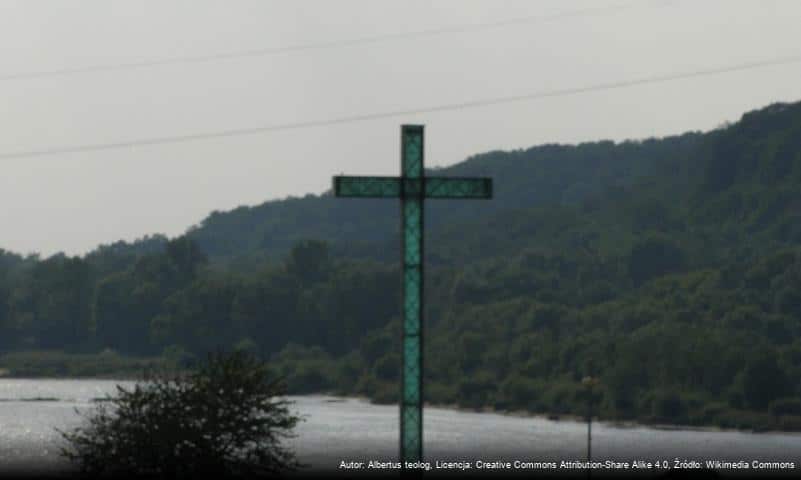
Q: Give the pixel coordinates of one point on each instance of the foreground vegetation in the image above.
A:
(668, 269)
(226, 418)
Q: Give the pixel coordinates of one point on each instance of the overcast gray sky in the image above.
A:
(74, 201)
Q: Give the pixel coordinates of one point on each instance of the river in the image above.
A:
(352, 430)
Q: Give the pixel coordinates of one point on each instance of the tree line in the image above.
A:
(677, 288)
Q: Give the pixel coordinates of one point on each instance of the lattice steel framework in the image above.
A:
(412, 187)
(434, 187)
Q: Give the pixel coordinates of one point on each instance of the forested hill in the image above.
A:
(670, 269)
(711, 191)
(539, 176)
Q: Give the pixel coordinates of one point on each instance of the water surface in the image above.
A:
(337, 430)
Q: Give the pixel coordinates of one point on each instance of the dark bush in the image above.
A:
(519, 390)
(763, 380)
(476, 391)
(785, 406)
(668, 405)
(227, 418)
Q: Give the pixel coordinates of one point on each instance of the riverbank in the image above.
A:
(106, 365)
(613, 423)
(339, 428)
(729, 420)
(109, 365)
(331, 397)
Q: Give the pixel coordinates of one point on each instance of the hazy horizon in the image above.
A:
(73, 202)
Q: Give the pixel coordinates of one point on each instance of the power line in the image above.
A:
(314, 46)
(397, 113)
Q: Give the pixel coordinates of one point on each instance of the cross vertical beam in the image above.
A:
(411, 414)
(412, 187)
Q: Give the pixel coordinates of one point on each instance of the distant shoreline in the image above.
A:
(54, 364)
(336, 398)
(115, 367)
(558, 417)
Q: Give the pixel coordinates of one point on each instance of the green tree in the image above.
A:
(185, 257)
(61, 290)
(309, 261)
(127, 302)
(763, 380)
(653, 257)
(199, 316)
(121, 312)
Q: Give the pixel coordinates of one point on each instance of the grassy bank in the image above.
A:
(57, 364)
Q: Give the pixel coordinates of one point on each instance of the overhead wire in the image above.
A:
(262, 52)
(172, 139)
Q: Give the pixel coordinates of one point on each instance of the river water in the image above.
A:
(351, 430)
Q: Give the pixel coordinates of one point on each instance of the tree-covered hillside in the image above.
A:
(670, 269)
(540, 176)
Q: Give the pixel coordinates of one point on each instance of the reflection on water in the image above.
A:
(353, 430)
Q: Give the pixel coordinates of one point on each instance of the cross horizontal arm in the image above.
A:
(394, 187)
(453, 187)
(381, 187)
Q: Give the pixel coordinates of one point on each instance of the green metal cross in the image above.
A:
(412, 187)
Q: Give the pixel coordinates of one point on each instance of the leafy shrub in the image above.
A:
(178, 356)
(477, 390)
(225, 418)
(564, 397)
(306, 369)
(387, 368)
(386, 393)
(309, 378)
(763, 380)
(521, 391)
(440, 393)
(790, 423)
(735, 397)
(51, 363)
(785, 406)
(668, 405)
(712, 413)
